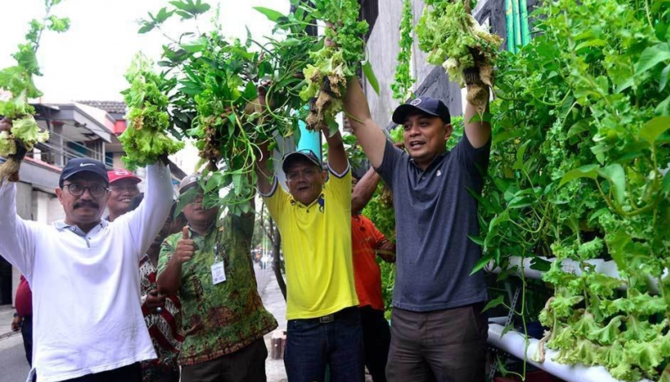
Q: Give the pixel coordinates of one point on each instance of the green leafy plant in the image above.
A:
(455, 40)
(403, 81)
(18, 80)
(231, 96)
(577, 173)
(335, 63)
(145, 140)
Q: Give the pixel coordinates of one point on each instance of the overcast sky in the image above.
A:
(88, 61)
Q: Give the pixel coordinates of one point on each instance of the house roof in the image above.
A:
(112, 107)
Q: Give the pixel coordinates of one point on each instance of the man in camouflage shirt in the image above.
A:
(224, 317)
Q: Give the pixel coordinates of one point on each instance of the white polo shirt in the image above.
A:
(86, 290)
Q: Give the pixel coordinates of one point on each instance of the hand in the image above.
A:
(155, 300)
(387, 251)
(259, 104)
(6, 125)
(185, 248)
(16, 324)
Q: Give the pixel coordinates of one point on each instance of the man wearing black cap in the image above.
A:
(438, 331)
(314, 219)
(87, 321)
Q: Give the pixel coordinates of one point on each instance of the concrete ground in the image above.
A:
(275, 304)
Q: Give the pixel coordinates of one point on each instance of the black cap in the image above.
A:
(308, 155)
(79, 165)
(425, 105)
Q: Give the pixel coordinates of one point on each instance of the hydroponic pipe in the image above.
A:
(511, 46)
(517, 25)
(514, 343)
(525, 31)
(608, 268)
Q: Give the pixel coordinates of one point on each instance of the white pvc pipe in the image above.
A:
(608, 268)
(514, 342)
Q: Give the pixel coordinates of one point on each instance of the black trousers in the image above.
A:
(130, 373)
(376, 339)
(27, 334)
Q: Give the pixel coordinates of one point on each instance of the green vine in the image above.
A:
(403, 80)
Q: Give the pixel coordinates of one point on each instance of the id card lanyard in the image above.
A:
(218, 269)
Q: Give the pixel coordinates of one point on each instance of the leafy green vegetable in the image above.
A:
(334, 63)
(576, 173)
(402, 83)
(455, 40)
(230, 96)
(145, 141)
(18, 80)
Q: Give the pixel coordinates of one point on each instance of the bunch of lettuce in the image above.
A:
(145, 140)
(18, 80)
(335, 62)
(455, 40)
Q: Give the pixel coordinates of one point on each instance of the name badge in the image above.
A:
(218, 273)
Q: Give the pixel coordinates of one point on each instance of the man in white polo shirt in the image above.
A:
(87, 321)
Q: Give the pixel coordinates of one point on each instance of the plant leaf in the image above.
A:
(665, 188)
(654, 128)
(664, 78)
(493, 303)
(616, 175)
(588, 171)
(271, 14)
(370, 76)
(652, 56)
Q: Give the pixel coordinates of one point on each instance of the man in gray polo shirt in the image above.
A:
(438, 331)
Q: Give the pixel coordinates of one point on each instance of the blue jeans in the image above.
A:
(335, 340)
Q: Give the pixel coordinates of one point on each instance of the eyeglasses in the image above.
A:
(78, 190)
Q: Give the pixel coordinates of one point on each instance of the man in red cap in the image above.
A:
(123, 188)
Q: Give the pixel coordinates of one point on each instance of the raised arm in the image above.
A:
(364, 190)
(370, 135)
(337, 157)
(478, 132)
(264, 174)
(148, 219)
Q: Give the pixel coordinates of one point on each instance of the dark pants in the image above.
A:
(335, 340)
(377, 338)
(27, 334)
(445, 346)
(244, 365)
(130, 373)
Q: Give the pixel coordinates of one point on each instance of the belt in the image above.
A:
(327, 319)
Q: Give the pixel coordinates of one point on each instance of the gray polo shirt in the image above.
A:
(435, 213)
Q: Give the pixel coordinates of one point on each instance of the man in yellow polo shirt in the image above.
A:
(314, 219)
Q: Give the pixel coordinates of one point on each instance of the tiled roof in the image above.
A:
(112, 107)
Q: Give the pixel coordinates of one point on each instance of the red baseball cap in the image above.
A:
(118, 174)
